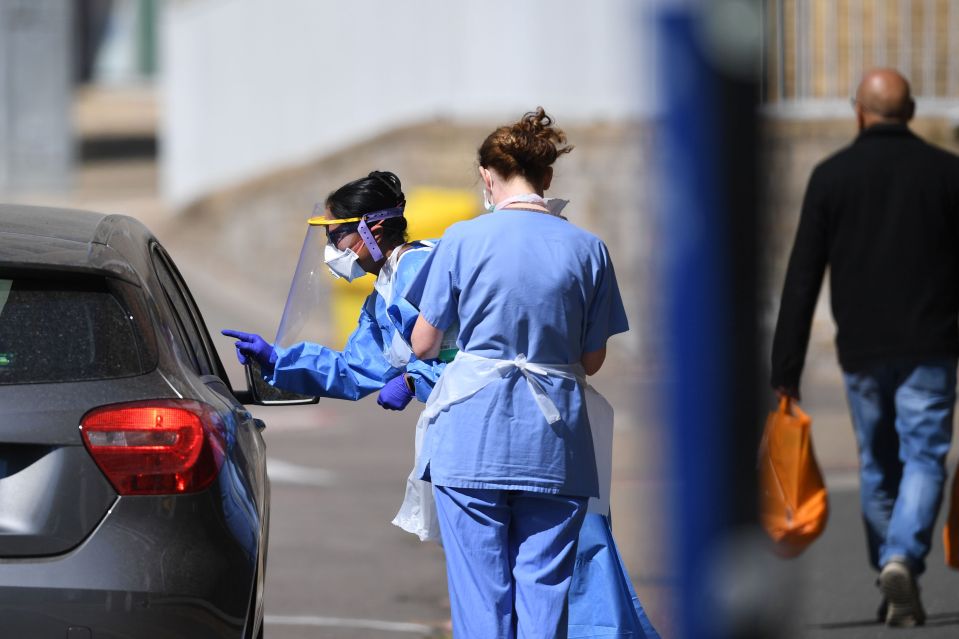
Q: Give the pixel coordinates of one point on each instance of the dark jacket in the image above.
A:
(883, 213)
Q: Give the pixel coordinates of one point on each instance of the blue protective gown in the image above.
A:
(363, 366)
(602, 601)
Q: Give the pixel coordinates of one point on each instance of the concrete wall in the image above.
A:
(253, 85)
(36, 142)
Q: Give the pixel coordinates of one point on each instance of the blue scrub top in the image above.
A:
(518, 281)
(361, 367)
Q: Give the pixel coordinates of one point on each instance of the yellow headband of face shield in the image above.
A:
(373, 216)
(363, 228)
(320, 220)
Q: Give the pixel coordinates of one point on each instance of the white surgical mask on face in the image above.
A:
(342, 263)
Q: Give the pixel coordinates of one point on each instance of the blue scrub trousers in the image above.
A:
(902, 415)
(509, 560)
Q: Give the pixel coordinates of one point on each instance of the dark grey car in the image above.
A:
(134, 500)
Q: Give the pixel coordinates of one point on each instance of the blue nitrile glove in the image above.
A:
(396, 394)
(251, 345)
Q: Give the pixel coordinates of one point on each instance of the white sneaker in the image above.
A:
(899, 588)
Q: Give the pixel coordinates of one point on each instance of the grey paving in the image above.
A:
(838, 593)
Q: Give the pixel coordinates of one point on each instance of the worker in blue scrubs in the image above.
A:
(362, 231)
(508, 447)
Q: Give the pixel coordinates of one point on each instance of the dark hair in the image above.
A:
(377, 191)
(528, 147)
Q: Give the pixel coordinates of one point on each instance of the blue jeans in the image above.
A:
(902, 415)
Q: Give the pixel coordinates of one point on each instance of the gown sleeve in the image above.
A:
(356, 371)
(403, 313)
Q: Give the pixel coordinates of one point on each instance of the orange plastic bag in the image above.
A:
(950, 534)
(793, 505)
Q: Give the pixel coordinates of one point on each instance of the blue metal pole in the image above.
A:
(707, 135)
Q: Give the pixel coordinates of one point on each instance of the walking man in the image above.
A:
(883, 214)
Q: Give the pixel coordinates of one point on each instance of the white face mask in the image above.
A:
(342, 263)
(487, 192)
(487, 203)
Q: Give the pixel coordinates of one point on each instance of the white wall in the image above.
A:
(250, 86)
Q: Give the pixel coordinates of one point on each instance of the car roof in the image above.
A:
(69, 239)
(40, 221)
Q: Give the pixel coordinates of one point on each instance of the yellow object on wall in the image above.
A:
(429, 211)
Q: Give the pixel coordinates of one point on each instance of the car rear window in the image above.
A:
(62, 327)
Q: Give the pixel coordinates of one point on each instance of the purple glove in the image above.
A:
(396, 394)
(251, 345)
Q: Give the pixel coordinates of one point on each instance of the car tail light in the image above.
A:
(156, 447)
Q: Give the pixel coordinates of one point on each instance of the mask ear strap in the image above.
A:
(367, 235)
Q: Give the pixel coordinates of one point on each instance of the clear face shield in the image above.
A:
(320, 258)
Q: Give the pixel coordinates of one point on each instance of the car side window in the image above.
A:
(186, 323)
(204, 344)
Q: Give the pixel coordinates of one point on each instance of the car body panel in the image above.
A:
(35, 413)
(184, 572)
(52, 498)
(184, 565)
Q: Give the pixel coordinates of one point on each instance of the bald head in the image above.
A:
(883, 96)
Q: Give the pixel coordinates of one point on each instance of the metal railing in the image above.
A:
(817, 50)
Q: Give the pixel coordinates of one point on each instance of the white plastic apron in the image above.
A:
(467, 375)
(397, 352)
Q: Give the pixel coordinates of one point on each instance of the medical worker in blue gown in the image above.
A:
(508, 448)
(362, 231)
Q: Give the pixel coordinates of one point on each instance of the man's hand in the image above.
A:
(787, 392)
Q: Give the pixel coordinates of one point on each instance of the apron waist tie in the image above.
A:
(531, 371)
